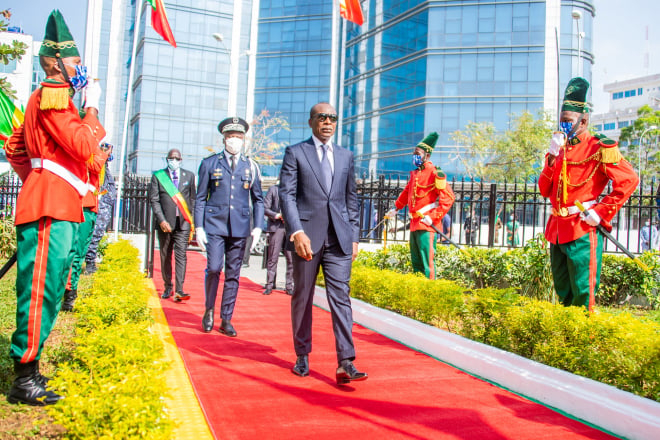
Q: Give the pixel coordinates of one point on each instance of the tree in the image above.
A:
(9, 53)
(643, 152)
(515, 154)
(261, 144)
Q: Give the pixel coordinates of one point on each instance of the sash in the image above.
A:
(178, 199)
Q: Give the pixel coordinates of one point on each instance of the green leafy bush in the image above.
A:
(115, 380)
(614, 348)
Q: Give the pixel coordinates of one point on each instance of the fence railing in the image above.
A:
(492, 204)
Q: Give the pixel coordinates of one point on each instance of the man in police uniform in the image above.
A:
(49, 152)
(428, 198)
(227, 182)
(578, 167)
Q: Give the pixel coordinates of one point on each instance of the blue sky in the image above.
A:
(619, 35)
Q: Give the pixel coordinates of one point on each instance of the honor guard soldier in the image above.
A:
(227, 182)
(50, 152)
(428, 198)
(578, 167)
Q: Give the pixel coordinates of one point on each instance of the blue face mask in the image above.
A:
(417, 160)
(566, 127)
(79, 81)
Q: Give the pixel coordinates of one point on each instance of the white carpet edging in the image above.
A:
(622, 413)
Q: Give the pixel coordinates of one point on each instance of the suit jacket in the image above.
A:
(222, 205)
(308, 206)
(272, 208)
(162, 204)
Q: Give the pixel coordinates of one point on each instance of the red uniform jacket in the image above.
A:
(590, 165)
(426, 186)
(61, 136)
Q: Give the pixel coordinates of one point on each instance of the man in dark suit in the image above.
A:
(173, 220)
(319, 205)
(276, 233)
(227, 183)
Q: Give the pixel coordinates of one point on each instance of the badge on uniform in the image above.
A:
(246, 185)
(217, 173)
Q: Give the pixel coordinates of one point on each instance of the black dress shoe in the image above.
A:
(207, 320)
(167, 293)
(347, 373)
(227, 329)
(302, 366)
(29, 388)
(181, 296)
(268, 291)
(69, 299)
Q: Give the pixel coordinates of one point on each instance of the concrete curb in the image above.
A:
(604, 406)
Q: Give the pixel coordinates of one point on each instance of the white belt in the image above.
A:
(63, 173)
(424, 209)
(575, 210)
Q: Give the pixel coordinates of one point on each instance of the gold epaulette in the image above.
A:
(54, 96)
(609, 150)
(440, 180)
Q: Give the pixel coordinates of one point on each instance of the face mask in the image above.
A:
(566, 127)
(510, 217)
(79, 81)
(648, 223)
(233, 145)
(173, 164)
(417, 160)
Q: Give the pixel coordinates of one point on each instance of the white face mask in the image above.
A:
(233, 145)
(173, 164)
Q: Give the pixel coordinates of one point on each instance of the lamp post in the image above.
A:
(233, 77)
(577, 16)
(641, 144)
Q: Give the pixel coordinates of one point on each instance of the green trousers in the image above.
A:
(576, 269)
(422, 252)
(85, 232)
(44, 253)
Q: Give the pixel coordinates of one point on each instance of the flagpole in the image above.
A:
(129, 98)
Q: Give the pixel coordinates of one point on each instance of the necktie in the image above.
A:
(175, 178)
(232, 159)
(326, 170)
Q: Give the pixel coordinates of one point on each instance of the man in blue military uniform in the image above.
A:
(226, 184)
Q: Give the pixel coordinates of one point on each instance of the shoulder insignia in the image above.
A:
(609, 150)
(440, 180)
(54, 95)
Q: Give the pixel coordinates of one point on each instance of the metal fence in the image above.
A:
(493, 205)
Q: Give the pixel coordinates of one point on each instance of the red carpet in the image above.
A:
(247, 390)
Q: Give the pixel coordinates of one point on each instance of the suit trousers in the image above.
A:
(275, 241)
(176, 241)
(228, 252)
(337, 272)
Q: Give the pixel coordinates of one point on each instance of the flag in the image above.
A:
(159, 21)
(351, 11)
(10, 117)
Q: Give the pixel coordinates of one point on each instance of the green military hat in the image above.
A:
(58, 42)
(575, 96)
(428, 143)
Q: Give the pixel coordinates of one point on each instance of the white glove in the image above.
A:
(391, 213)
(558, 140)
(93, 94)
(201, 238)
(591, 217)
(427, 220)
(256, 234)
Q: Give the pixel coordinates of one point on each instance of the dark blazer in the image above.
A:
(272, 208)
(222, 205)
(305, 203)
(162, 204)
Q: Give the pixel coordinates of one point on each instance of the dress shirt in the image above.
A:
(319, 151)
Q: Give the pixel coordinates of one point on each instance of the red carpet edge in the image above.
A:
(603, 406)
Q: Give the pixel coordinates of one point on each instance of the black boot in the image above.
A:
(69, 298)
(90, 267)
(28, 387)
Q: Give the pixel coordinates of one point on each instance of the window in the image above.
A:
(608, 126)
(622, 124)
(617, 95)
(9, 67)
(598, 127)
(639, 91)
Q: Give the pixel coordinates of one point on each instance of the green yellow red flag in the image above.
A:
(159, 21)
(11, 117)
(177, 197)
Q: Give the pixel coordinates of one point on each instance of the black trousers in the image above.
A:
(176, 241)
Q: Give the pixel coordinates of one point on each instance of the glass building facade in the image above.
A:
(415, 67)
(293, 64)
